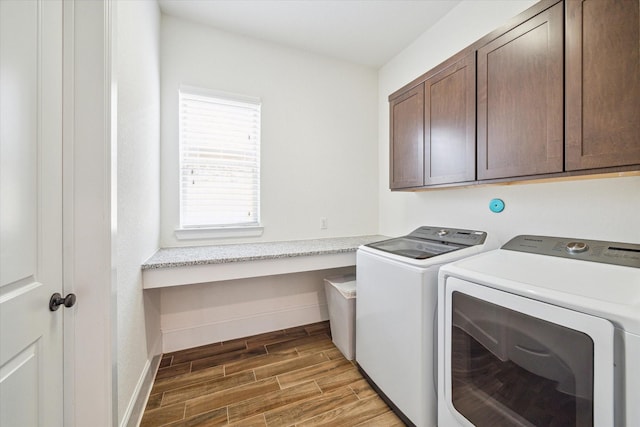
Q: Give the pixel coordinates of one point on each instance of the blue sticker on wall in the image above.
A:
(496, 205)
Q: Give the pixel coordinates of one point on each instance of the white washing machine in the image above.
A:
(544, 331)
(396, 282)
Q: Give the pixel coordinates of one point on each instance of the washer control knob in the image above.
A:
(443, 232)
(576, 247)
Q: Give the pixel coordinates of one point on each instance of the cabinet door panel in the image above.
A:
(450, 125)
(602, 83)
(407, 140)
(520, 99)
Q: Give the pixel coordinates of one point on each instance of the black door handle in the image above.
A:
(56, 301)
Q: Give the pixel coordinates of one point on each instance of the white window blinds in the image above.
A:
(219, 159)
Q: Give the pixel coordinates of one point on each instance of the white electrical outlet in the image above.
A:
(323, 223)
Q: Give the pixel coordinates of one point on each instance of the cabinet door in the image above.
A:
(602, 83)
(520, 99)
(450, 124)
(407, 140)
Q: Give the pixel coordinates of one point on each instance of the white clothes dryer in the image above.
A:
(542, 332)
(396, 282)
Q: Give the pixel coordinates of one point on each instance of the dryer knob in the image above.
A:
(443, 232)
(576, 247)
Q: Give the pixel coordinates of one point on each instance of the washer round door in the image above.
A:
(511, 360)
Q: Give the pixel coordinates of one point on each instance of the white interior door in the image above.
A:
(31, 346)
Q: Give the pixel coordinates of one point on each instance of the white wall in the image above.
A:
(138, 76)
(200, 314)
(589, 208)
(319, 136)
(318, 159)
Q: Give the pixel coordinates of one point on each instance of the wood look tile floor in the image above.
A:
(291, 377)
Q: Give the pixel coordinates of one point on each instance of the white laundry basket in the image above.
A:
(341, 301)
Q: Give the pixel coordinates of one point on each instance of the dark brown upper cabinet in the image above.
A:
(602, 83)
(433, 129)
(520, 99)
(556, 94)
(406, 155)
(450, 124)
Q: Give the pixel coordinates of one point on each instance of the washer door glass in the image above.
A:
(414, 248)
(518, 369)
(515, 361)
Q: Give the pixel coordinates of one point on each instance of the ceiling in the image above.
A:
(367, 32)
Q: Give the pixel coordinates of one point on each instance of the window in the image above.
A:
(219, 160)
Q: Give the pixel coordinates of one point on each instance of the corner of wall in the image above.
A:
(134, 412)
(139, 341)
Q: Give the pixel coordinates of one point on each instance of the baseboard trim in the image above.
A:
(133, 415)
(180, 339)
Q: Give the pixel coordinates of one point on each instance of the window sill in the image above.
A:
(218, 232)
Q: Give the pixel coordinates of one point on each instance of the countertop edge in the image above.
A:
(220, 254)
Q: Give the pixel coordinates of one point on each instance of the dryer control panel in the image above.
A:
(624, 254)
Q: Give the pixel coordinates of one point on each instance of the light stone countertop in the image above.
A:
(222, 254)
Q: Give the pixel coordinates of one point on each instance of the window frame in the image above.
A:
(205, 231)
